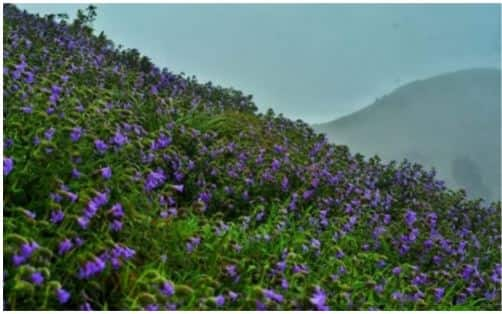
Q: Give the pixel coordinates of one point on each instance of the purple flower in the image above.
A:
(155, 179)
(55, 93)
(100, 146)
(86, 307)
(418, 296)
(119, 139)
(468, 271)
(308, 194)
(18, 259)
(378, 231)
(92, 268)
(30, 77)
(162, 142)
(319, 300)
(396, 271)
(16, 74)
(379, 288)
(431, 219)
(22, 65)
(62, 295)
(272, 295)
(231, 270)
(260, 306)
(276, 164)
(496, 274)
(410, 217)
(37, 278)
(171, 212)
(178, 187)
(179, 176)
(167, 288)
(27, 249)
(420, 279)
(8, 143)
(301, 268)
(75, 173)
(233, 296)
(76, 133)
(123, 251)
(204, 196)
(260, 215)
(94, 204)
(72, 196)
(438, 293)
(397, 296)
(116, 225)
(117, 210)
(152, 307)
(342, 270)
(57, 216)
(49, 134)
(154, 91)
(284, 283)
(219, 300)
(83, 221)
(316, 244)
(8, 165)
(30, 214)
(284, 184)
(51, 110)
(490, 295)
(192, 244)
(65, 246)
(106, 172)
(281, 266)
(79, 242)
(56, 197)
(27, 109)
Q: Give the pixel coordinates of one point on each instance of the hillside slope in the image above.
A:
(128, 187)
(450, 122)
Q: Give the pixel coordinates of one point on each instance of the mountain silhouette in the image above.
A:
(450, 122)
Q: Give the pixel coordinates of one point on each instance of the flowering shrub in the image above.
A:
(129, 187)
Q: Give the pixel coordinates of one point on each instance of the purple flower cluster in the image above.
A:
(25, 252)
(155, 179)
(319, 299)
(91, 268)
(8, 165)
(92, 207)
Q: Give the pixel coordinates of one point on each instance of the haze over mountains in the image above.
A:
(450, 122)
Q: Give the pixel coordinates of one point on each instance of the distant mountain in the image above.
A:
(450, 122)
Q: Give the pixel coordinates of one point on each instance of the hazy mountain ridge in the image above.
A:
(452, 119)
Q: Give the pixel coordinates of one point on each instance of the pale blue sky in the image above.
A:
(314, 62)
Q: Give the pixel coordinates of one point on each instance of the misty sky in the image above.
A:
(313, 62)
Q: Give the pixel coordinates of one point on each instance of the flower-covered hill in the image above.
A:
(130, 187)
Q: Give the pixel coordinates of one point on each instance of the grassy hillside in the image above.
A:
(450, 122)
(129, 187)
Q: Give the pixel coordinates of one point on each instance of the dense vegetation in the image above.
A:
(130, 187)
